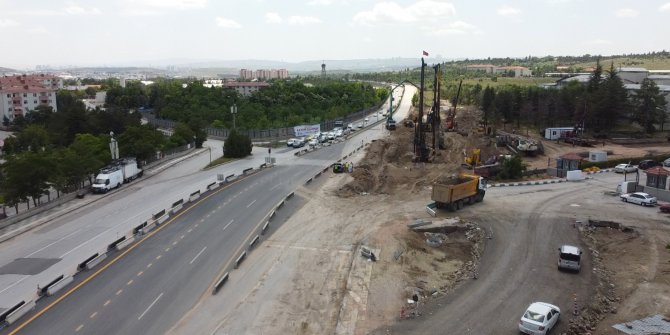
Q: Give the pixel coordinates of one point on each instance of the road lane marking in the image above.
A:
(117, 258)
(273, 187)
(181, 237)
(15, 283)
(129, 282)
(167, 249)
(249, 205)
(231, 221)
(79, 328)
(149, 265)
(140, 273)
(189, 230)
(196, 256)
(119, 291)
(107, 302)
(148, 308)
(93, 315)
(196, 225)
(174, 243)
(50, 244)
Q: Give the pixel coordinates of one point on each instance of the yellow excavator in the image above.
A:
(474, 159)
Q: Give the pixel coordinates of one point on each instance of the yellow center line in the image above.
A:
(129, 282)
(140, 273)
(93, 315)
(79, 328)
(107, 302)
(119, 292)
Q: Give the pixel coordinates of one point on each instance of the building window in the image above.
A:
(34, 94)
(9, 95)
(35, 101)
(25, 102)
(25, 95)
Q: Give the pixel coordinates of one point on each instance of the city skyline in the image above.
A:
(164, 32)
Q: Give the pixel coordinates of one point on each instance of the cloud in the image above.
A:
(227, 23)
(626, 12)
(508, 11)
(156, 7)
(7, 22)
(665, 7)
(391, 12)
(455, 28)
(320, 2)
(273, 18)
(74, 9)
(303, 20)
(597, 41)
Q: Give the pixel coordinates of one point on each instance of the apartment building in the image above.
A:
(23, 93)
(246, 88)
(263, 74)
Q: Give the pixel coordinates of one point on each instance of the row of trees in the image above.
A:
(283, 104)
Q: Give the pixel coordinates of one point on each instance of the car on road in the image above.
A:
(539, 318)
(625, 168)
(569, 258)
(648, 163)
(299, 142)
(666, 162)
(313, 142)
(639, 198)
(290, 142)
(359, 126)
(331, 135)
(366, 119)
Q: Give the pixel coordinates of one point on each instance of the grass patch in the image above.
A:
(219, 161)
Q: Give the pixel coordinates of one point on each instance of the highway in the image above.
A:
(148, 288)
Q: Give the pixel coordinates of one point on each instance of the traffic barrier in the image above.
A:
(239, 260)
(160, 217)
(176, 206)
(82, 265)
(41, 291)
(308, 181)
(149, 227)
(290, 195)
(272, 214)
(19, 310)
(219, 283)
(211, 186)
(125, 243)
(4, 314)
(281, 203)
(253, 242)
(59, 285)
(265, 227)
(325, 170)
(115, 243)
(95, 261)
(195, 195)
(317, 175)
(139, 228)
(246, 171)
(230, 177)
(263, 166)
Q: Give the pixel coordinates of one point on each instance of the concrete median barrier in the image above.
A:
(18, 311)
(125, 243)
(160, 217)
(194, 196)
(254, 241)
(272, 214)
(219, 283)
(57, 286)
(138, 229)
(113, 245)
(265, 227)
(230, 178)
(308, 181)
(239, 260)
(212, 186)
(92, 263)
(42, 291)
(290, 195)
(149, 227)
(281, 203)
(247, 171)
(177, 205)
(82, 265)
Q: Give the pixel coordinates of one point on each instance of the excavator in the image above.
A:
(451, 115)
(474, 159)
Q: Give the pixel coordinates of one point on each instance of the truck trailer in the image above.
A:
(115, 174)
(458, 192)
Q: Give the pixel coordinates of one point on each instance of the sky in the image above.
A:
(141, 32)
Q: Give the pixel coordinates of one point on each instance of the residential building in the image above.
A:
(487, 68)
(23, 93)
(246, 88)
(519, 71)
(246, 74)
(263, 74)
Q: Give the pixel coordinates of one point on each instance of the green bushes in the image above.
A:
(237, 145)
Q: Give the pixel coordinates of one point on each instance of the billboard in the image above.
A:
(304, 130)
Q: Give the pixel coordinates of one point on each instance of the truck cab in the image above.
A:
(107, 180)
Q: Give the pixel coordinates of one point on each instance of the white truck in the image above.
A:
(114, 175)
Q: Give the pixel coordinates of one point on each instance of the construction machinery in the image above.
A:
(451, 115)
(474, 158)
(455, 193)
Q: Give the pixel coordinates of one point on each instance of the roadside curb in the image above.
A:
(543, 182)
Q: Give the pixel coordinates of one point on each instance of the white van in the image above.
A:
(569, 258)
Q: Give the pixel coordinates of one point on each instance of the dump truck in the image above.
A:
(455, 193)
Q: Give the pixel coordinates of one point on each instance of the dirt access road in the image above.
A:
(309, 277)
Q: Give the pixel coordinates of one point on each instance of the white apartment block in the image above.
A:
(21, 94)
(246, 88)
(263, 74)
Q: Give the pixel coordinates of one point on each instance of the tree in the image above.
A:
(27, 175)
(488, 98)
(512, 168)
(649, 105)
(237, 145)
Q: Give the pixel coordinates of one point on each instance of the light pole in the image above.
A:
(233, 110)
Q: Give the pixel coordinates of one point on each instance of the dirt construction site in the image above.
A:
(310, 277)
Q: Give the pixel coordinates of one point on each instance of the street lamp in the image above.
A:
(233, 110)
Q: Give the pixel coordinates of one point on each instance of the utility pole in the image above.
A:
(419, 136)
(233, 110)
(113, 146)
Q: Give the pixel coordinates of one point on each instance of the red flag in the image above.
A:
(425, 53)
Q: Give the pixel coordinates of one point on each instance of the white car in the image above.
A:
(625, 168)
(639, 198)
(290, 142)
(313, 142)
(366, 119)
(539, 318)
(666, 162)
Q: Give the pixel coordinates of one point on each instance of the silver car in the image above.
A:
(625, 168)
(639, 198)
(569, 258)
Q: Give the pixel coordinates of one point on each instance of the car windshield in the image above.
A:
(100, 181)
(570, 257)
(530, 315)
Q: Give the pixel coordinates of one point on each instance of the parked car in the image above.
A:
(339, 133)
(639, 198)
(666, 162)
(313, 142)
(648, 163)
(665, 208)
(539, 318)
(299, 142)
(331, 135)
(290, 142)
(338, 167)
(625, 168)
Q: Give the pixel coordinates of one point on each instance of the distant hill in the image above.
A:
(4, 70)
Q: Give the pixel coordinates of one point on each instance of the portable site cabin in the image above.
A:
(556, 133)
(597, 156)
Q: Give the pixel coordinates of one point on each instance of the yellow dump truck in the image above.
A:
(458, 192)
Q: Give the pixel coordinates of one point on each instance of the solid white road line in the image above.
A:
(50, 244)
(196, 256)
(249, 205)
(231, 221)
(273, 187)
(148, 308)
